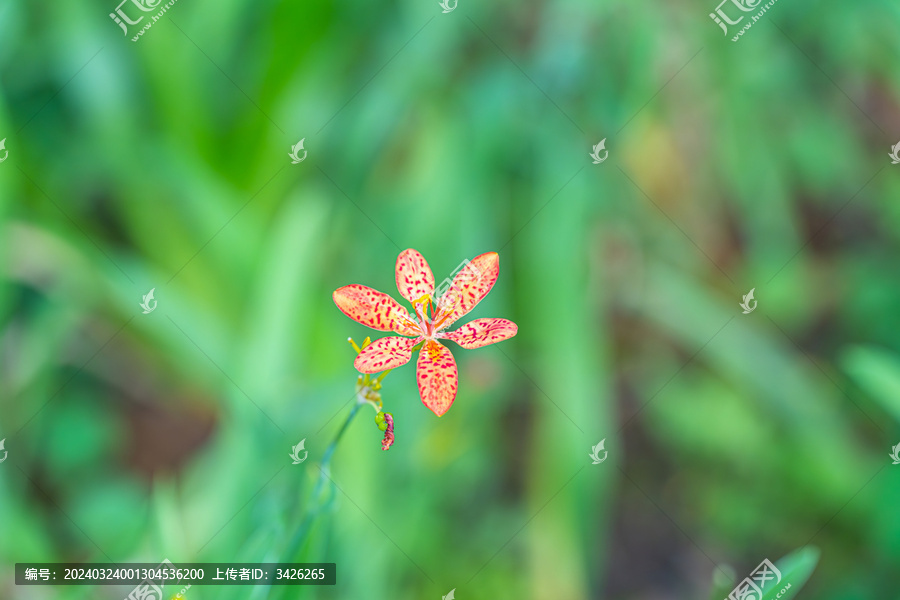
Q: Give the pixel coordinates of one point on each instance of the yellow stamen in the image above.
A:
(426, 305)
(425, 300)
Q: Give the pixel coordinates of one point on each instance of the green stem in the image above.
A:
(304, 528)
(326, 458)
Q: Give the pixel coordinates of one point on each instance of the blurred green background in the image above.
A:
(732, 438)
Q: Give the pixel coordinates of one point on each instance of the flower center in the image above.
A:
(426, 311)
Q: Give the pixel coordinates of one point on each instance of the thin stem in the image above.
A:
(313, 512)
(382, 375)
(326, 458)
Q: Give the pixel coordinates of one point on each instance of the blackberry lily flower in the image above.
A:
(436, 372)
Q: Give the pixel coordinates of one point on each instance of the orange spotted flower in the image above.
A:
(436, 371)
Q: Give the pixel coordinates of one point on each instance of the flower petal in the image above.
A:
(482, 332)
(374, 309)
(414, 276)
(437, 377)
(388, 440)
(469, 287)
(386, 353)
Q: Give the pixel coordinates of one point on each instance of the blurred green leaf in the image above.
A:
(877, 371)
(796, 569)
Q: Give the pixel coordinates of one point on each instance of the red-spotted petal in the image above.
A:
(386, 353)
(469, 287)
(414, 276)
(437, 377)
(482, 332)
(374, 309)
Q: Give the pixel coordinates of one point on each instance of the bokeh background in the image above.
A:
(732, 438)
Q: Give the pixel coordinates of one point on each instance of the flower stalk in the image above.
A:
(367, 392)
